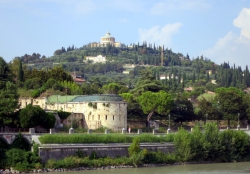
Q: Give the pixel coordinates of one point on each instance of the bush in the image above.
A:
(21, 160)
(35, 93)
(213, 143)
(236, 145)
(134, 148)
(32, 116)
(182, 143)
(198, 149)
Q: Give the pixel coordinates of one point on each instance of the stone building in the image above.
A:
(105, 40)
(90, 111)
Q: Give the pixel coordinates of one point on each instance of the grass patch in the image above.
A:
(101, 138)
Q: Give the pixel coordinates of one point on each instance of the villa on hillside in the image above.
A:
(166, 76)
(105, 40)
(77, 79)
(96, 59)
(89, 111)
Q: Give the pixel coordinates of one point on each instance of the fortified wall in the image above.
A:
(90, 112)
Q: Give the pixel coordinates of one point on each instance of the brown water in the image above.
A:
(218, 168)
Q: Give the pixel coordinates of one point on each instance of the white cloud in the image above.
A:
(158, 35)
(168, 6)
(233, 48)
(243, 22)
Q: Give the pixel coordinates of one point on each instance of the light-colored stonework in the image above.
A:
(91, 112)
(107, 40)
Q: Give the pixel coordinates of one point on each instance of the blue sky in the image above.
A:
(216, 29)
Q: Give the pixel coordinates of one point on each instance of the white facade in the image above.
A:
(97, 59)
(88, 114)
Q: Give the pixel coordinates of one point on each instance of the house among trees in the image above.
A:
(78, 79)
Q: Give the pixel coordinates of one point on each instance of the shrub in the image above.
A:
(18, 159)
(182, 143)
(236, 145)
(134, 148)
(213, 140)
(198, 145)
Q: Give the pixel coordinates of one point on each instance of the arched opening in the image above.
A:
(21, 143)
(3, 144)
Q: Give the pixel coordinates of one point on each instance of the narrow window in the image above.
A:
(113, 117)
(106, 117)
(98, 117)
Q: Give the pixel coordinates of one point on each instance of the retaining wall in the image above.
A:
(112, 150)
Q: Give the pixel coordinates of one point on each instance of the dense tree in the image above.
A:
(209, 109)
(147, 82)
(230, 102)
(182, 110)
(159, 102)
(8, 103)
(32, 116)
(114, 88)
(20, 72)
(5, 73)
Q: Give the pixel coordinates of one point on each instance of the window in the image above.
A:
(98, 117)
(106, 117)
(113, 117)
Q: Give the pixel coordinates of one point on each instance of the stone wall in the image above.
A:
(112, 150)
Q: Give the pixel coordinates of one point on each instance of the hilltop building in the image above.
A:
(89, 111)
(107, 39)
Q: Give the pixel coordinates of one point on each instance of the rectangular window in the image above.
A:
(106, 117)
(113, 117)
(98, 117)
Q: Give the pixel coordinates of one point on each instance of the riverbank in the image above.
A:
(47, 170)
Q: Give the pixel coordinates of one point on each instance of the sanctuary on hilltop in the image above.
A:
(107, 39)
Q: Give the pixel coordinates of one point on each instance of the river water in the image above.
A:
(216, 168)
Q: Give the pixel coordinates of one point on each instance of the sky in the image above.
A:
(217, 29)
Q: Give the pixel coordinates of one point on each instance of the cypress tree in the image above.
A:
(20, 71)
(193, 79)
(207, 79)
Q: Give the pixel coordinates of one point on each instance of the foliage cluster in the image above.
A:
(211, 145)
(31, 116)
(18, 155)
